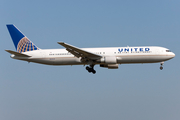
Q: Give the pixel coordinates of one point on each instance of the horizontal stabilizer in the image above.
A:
(17, 54)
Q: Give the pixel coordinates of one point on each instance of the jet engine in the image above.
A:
(110, 66)
(109, 60)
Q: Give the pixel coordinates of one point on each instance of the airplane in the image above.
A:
(107, 57)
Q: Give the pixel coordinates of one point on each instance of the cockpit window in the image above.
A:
(168, 51)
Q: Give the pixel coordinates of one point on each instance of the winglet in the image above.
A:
(60, 42)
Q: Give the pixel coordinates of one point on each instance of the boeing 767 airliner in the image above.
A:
(108, 57)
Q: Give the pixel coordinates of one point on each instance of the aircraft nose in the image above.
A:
(173, 55)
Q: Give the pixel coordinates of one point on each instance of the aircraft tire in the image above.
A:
(93, 71)
(161, 68)
(87, 68)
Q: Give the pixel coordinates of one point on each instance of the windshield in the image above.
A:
(168, 51)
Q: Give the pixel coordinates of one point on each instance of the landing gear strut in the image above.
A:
(161, 67)
(91, 69)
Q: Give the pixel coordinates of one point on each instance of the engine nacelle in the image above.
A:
(109, 60)
(110, 66)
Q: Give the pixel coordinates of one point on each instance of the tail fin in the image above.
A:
(21, 42)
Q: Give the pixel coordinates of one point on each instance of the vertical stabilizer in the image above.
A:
(21, 42)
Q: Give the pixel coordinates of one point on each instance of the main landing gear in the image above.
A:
(91, 69)
(161, 67)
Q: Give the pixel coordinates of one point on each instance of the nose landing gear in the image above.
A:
(91, 69)
(161, 67)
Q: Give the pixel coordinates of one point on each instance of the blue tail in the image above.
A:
(21, 42)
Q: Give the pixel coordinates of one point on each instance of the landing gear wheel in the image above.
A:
(161, 68)
(91, 69)
(87, 68)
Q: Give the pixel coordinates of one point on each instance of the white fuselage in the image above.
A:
(123, 55)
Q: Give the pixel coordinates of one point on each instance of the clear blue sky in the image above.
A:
(133, 92)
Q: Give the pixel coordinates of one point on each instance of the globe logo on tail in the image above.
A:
(26, 45)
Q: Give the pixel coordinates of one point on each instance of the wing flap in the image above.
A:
(79, 52)
(17, 54)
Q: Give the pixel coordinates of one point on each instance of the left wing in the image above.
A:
(79, 52)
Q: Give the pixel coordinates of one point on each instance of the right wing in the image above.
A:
(17, 54)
